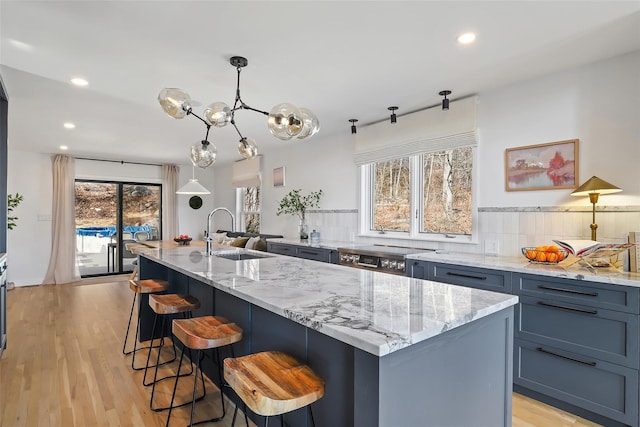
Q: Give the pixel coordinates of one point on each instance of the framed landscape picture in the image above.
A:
(549, 166)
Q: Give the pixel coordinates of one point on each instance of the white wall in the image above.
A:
(597, 103)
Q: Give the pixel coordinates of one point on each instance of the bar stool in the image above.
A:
(203, 333)
(146, 286)
(165, 305)
(272, 383)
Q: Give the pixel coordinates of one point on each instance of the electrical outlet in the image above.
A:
(491, 247)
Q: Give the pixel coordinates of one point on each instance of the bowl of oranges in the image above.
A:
(551, 254)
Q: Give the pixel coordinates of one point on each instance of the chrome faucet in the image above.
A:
(208, 232)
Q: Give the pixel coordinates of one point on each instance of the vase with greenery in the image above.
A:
(12, 202)
(295, 203)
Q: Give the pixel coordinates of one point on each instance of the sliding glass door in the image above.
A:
(109, 215)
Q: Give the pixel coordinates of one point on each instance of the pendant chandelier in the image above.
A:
(284, 121)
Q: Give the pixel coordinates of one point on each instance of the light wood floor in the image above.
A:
(64, 366)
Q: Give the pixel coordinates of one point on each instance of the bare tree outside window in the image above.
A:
(251, 209)
(447, 201)
(392, 195)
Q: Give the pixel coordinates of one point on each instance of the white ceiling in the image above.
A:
(342, 60)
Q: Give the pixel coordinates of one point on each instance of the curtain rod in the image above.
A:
(118, 161)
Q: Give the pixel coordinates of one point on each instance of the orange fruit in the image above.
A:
(530, 254)
(552, 257)
(553, 248)
(560, 256)
(541, 256)
(541, 248)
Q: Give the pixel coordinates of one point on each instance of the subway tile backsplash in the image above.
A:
(512, 228)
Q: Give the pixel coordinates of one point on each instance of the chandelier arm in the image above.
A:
(246, 107)
(206, 137)
(198, 117)
(237, 130)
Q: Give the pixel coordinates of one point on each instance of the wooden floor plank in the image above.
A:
(64, 366)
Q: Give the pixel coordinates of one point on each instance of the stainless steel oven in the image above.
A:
(385, 259)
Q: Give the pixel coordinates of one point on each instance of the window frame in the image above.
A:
(240, 212)
(367, 200)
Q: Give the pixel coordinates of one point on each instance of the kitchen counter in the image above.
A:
(392, 350)
(564, 269)
(376, 312)
(324, 244)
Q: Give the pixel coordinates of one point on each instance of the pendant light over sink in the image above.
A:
(284, 121)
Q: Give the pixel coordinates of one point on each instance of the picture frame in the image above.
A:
(278, 177)
(548, 166)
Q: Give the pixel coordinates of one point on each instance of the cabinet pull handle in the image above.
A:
(543, 350)
(468, 276)
(308, 252)
(570, 291)
(564, 307)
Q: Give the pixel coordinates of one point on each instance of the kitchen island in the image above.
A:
(392, 350)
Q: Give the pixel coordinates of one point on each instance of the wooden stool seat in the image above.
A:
(206, 332)
(272, 382)
(148, 286)
(173, 303)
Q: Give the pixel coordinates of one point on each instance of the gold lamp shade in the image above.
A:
(593, 187)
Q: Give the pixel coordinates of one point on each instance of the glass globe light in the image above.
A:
(218, 114)
(175, 102)
(203, 154)
(247, 148)
(284, 121)
(310, 123)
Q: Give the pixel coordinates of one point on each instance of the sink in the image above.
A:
(239, 256)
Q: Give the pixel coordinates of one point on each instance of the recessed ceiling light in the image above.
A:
(69, 125)
(79, 81)
(466, 38)
(64, 147)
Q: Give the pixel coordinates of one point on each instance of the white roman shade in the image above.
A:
(425, 131)
(247, 172)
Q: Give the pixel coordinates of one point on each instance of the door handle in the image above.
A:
(570, 291)
(467, 276)
(564, 307)
(543, 350)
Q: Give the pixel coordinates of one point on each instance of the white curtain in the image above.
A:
(169, 201)
(63, 264)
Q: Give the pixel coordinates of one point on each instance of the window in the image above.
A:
(436, 187)
(248, 207)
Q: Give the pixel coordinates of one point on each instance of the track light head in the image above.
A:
(353, 126)
(393, 113)
(445, 101)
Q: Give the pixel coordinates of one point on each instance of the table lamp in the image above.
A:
(593, 188)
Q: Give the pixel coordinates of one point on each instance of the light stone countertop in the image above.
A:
(565, 269)
(375, 312)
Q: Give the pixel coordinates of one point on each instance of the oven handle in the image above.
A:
(367, 265)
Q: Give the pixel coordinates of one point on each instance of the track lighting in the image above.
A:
(284, 120)
(353, 125)
(393, 113)
(445, 101)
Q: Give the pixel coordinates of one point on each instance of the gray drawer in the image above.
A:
(315, 254)
(593, 332)
(597, 386)
(480, 278)
(282, 249)
(612, 297)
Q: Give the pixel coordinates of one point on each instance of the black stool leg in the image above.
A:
(126, 336)
(175, 387)
(178, 375)
(313, 423)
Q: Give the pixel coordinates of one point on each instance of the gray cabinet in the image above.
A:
(472, 277)
(577, 343)
(306, 252)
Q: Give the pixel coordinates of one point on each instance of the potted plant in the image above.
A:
(12, 203)
(295, 203)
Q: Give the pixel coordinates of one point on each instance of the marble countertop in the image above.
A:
(375, 312)
(566, 269)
